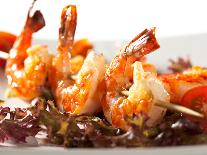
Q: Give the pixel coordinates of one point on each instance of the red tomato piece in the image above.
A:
(196, 99)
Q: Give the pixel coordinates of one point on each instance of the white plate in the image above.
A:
(193, 46)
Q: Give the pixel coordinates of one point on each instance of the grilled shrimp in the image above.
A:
(27, 66)
(83, 94)
(144, 87)
(178, 84)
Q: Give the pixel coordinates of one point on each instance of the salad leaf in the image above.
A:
(16, 125)
(95, 131)
(179, 65)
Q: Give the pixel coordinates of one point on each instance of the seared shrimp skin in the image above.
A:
(119, 75)
(26, 67)
(81, 95)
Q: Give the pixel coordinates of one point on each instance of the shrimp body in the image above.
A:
(144, 92)
(143, 88)
(84, 96)
(81, 95)
(178, 84)
(26, 67)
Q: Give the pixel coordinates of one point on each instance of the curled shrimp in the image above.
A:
(81, 95)
(27, 66)
(142, 88)
(179, 83)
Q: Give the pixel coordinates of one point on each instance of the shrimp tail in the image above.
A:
(33, 24)
(144, 43)
(36, 21)
(67, 28)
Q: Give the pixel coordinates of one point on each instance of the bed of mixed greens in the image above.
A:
(93, 131)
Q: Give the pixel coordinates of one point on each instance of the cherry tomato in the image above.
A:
(6, 42)
(196, 99)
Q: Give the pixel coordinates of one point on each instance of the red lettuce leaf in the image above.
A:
(17, 125)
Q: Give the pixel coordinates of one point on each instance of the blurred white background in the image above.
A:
(112, 19)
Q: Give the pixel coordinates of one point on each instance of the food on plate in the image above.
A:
(126, 103)
(179, 83)
(143, 88)
(82, 95)
(27, 65)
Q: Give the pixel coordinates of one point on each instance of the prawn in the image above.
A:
(83, 94)
(27, 66)
(144, 86)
